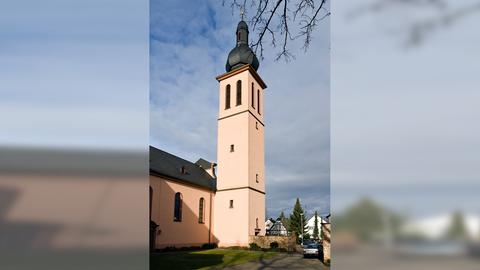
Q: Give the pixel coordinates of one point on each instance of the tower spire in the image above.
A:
(242, 54)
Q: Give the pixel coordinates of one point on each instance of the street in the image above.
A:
(282, 261)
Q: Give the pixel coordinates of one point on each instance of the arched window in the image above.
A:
(258, 101)
(239, 92)
(256, 223)
(177, 211)
(200, 210)
(227, 97)
(253, 97)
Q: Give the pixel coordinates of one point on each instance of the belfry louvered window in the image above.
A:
(253, 96)
(227, 97)
(258, 101)
(239, 92)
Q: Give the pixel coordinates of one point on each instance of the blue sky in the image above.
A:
(189, 43)
(74, 74)
(405, 119)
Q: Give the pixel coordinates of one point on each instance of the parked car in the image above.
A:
(311, 250)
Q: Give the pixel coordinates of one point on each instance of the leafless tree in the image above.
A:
(280, 22)
(417, 31)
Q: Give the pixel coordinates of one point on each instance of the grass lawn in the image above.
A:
(205, 259)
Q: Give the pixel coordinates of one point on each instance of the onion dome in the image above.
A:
(241, 54)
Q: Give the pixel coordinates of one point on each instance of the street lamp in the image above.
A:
(301, 222)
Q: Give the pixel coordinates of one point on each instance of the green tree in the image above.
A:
(457, 229)
(297, 218)
(366, 219)
(315, 227)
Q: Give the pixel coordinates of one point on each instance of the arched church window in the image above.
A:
(200, 210)
(253, 97)
(239, 92)
(227, 97)
(258, 101)
(177, 211)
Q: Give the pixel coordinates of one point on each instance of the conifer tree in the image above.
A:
(296, 220)
(315, 227)
(457, 229)
(284, 221)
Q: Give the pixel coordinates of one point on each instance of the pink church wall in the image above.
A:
(231, 224)
(188, 232)
(237, 170)
(257, 211)
(49, 202)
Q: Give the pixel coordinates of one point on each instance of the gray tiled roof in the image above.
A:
(166, 164)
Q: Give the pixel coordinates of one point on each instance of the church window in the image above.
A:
(231, 203)
(200, 210)
(256, 125)
(258, 101)
(253, 97)
(227, 97)
(256, 222)
(256, 178)
(232, 148)
(239, 92)
(177, 211)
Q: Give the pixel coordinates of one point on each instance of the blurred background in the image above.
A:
(405, 131)
(74, 134)
(404, 142)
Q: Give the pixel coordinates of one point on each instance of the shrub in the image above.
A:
(254, 246)
(172, 248)
(274, 244)
(209, 246)
(189, 248)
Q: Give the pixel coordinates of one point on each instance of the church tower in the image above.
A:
(240, 196)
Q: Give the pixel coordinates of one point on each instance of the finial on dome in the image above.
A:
(242, 54)
(242, 12)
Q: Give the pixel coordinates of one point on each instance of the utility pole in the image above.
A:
(301, 222)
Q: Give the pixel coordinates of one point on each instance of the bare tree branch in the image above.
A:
(270, 16)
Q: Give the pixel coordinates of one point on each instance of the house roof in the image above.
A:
(175, 168)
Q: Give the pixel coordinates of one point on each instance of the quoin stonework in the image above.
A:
(219, 202)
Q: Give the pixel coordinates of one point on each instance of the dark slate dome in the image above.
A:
(241, 54)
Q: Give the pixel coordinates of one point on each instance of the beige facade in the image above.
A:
(234, 208)
(62, 210)
(189, 231)
(240, 157)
